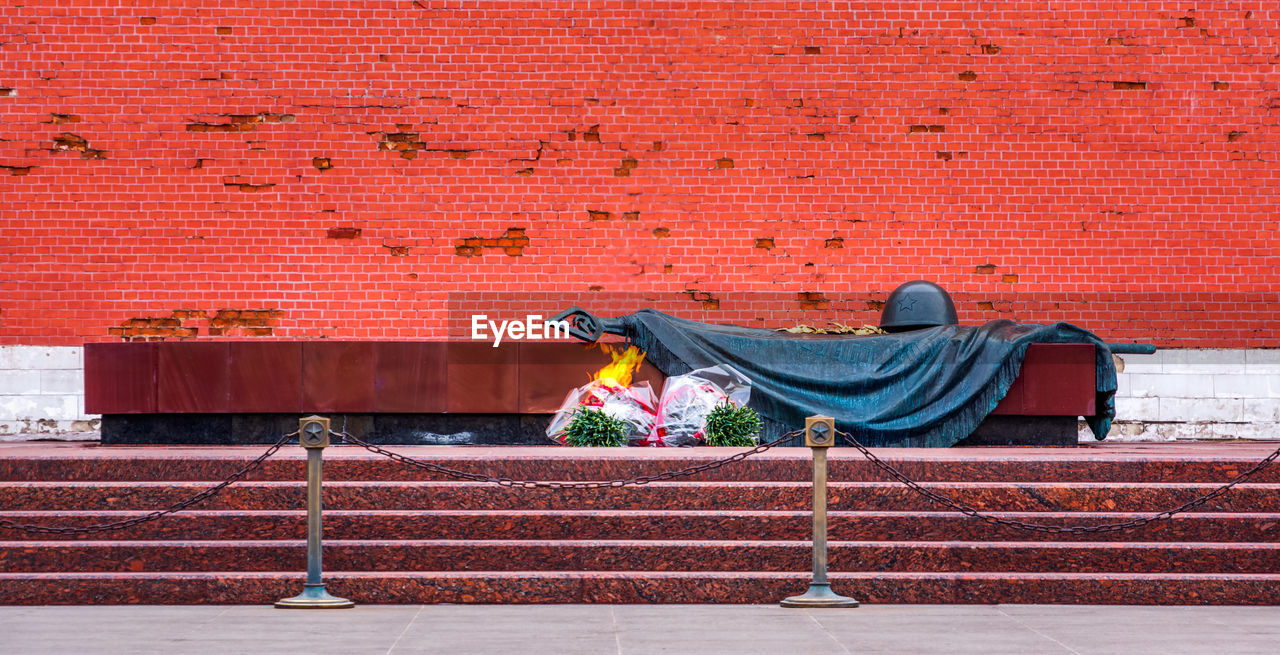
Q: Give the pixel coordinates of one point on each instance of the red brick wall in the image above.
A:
(338, 169)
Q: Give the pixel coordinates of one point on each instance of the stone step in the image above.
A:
(341, 555)
(643, 524)
(741, 534)
(787, 496)
(1125, 463)
(413, 587)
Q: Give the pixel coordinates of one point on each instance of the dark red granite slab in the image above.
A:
(393, 540)
(266, 588)
(337, 376)
(919, 588)
(120, 378)
(1064, 378)
(266, 376)
(649, 587)
(549, 371)
(432, 377)
(194, 377)
(482, 379)
(410, 376)
(725, 525)
(782, 496)
(1012, 402)
(1207, 462)
(1057, 379)
(385, 554)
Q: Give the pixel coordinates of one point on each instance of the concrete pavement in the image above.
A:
(641, 630)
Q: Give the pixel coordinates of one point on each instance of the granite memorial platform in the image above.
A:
(447, 392)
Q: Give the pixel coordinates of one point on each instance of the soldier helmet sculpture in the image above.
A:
(915, 305)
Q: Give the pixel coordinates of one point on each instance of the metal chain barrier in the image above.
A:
(546, 484)
(177, 507)
(969, 510)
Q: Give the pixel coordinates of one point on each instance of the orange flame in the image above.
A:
(623, 366)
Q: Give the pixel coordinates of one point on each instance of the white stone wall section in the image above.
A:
(42, 393)
(1198, 394)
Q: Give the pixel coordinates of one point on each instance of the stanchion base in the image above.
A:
(314, 597)
(819, 595)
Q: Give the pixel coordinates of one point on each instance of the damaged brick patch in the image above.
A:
(967, 76)
(661, 233)
(985, 269)
(321, 163)
(708, 301)
(512, 243)
(724, 162)
(244, 322)
(182, 324)
(625, 168)
(590, 135)
(834, 242)
(917, 129)
(62, 119)
(249, 188)
(68, 142)
(408, 144)
(765, 243)
(343, 232)
(1128, 85)
(159, 328)
(812, 300)
(241, 122)
(16, 171)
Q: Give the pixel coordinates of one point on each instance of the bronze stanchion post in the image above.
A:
(819, 435)
(313, 434)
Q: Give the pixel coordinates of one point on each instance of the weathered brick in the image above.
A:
(929, 144)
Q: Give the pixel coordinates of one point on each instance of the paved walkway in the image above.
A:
(641, 630)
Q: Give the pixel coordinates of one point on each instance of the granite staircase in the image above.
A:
(738, 534)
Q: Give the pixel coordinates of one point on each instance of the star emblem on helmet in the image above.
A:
(906, 304)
